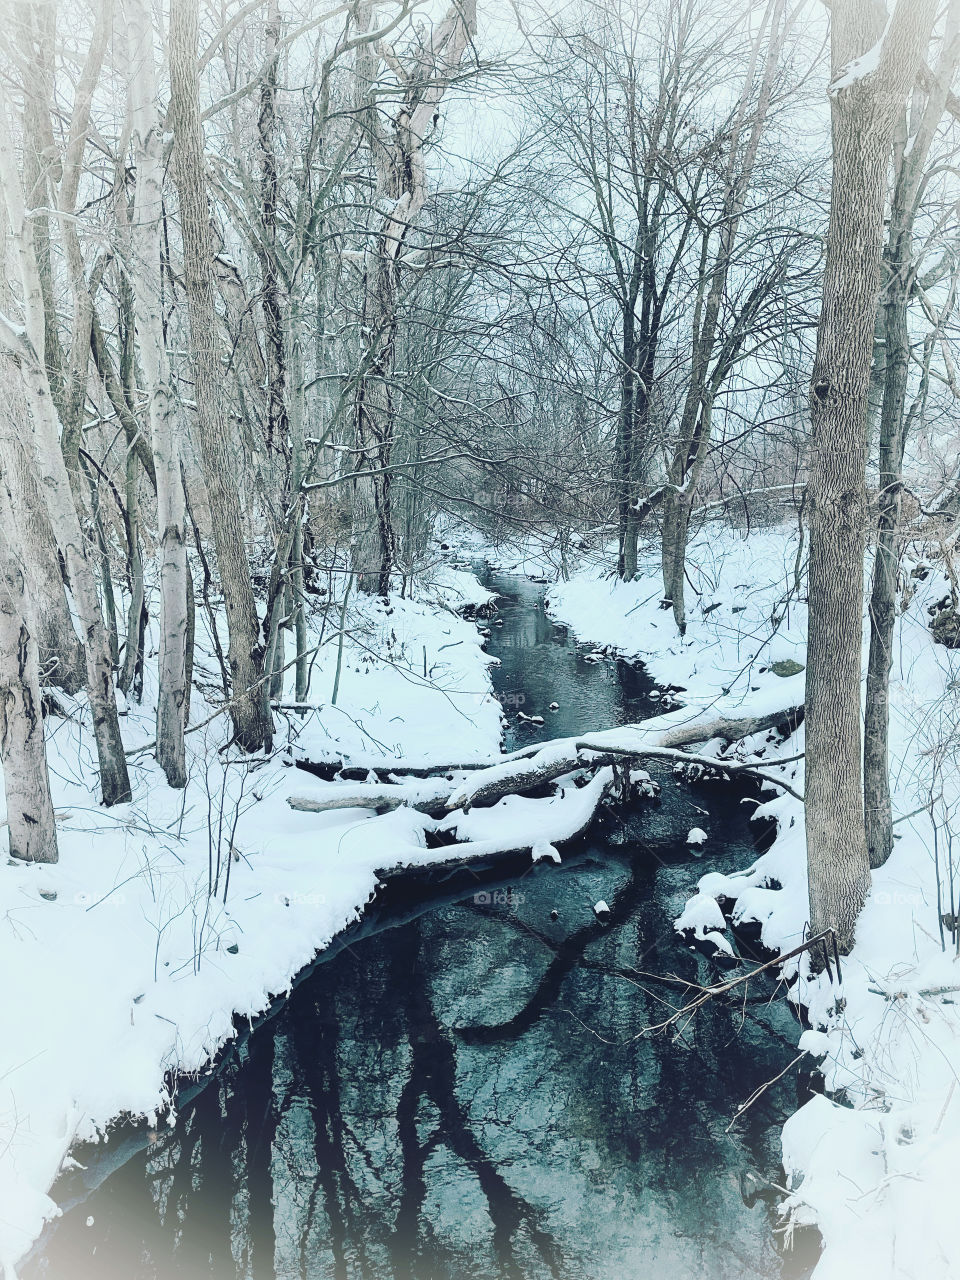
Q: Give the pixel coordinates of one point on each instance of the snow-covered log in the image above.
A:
(675, 729)
(495, 835)
(636, 741)
(541, 764)
(429, 795)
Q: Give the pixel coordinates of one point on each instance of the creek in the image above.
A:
(459, 1089)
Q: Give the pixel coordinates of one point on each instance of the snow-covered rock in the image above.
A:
(702, 913)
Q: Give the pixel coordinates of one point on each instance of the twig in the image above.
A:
(758, 1092)
(710, 992)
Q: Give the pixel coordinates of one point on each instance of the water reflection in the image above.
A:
(466, 1095)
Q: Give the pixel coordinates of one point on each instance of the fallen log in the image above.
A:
(356, 769)
(788, 718)
(636, 741)
(558, 822)
(429, 795)
(539, 764)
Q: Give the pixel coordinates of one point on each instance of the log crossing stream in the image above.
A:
(461, 1093)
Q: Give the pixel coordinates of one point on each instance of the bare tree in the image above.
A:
(399, 164)
(874, 66)
(249, 706)
(714, 353)
(26, 344)
(680, 262)
(145, 273)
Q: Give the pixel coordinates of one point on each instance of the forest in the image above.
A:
(479, 639)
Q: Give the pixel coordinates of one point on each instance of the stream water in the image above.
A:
(463, 1093)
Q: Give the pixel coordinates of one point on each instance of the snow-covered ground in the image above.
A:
(120, 968)
(123, 971)
(877, 1168)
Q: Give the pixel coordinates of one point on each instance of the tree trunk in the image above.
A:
(145, 274)
(131, 676)
(61, 655)
(27, 348)
(375, 547)
(271, 293)
(878, 809)
(36, 28)
(864, 110)
(249, 705)
(627, 450)
(30, 821)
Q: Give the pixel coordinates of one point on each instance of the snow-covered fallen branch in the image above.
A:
(516, 826)
(635, 741)
(538, 766)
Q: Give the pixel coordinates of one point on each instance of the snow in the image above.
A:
(119, 966)
(815, 1043)
(860, 68)
(130, 921)
(518, 822)
(700, 914)
(696, 835)
(719, 658)
(874, 1165)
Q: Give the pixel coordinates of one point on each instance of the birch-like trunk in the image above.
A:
(864, 110)
(144, 269)
(26, 783)
(61, 655)
(249, 705)
(26, 345)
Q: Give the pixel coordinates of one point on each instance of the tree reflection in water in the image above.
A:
(462, 1096)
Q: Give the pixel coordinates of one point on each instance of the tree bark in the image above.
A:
(37, 28)
(864, 109)
(27, 347)
(249, 705)
(30, 820)
(61, 655)
(145, 274)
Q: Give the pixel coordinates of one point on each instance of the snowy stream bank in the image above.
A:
(461, 1088)
(128, 973)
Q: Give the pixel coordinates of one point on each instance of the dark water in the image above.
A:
(464, 1094)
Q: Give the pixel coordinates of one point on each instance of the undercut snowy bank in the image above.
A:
(123, 970)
